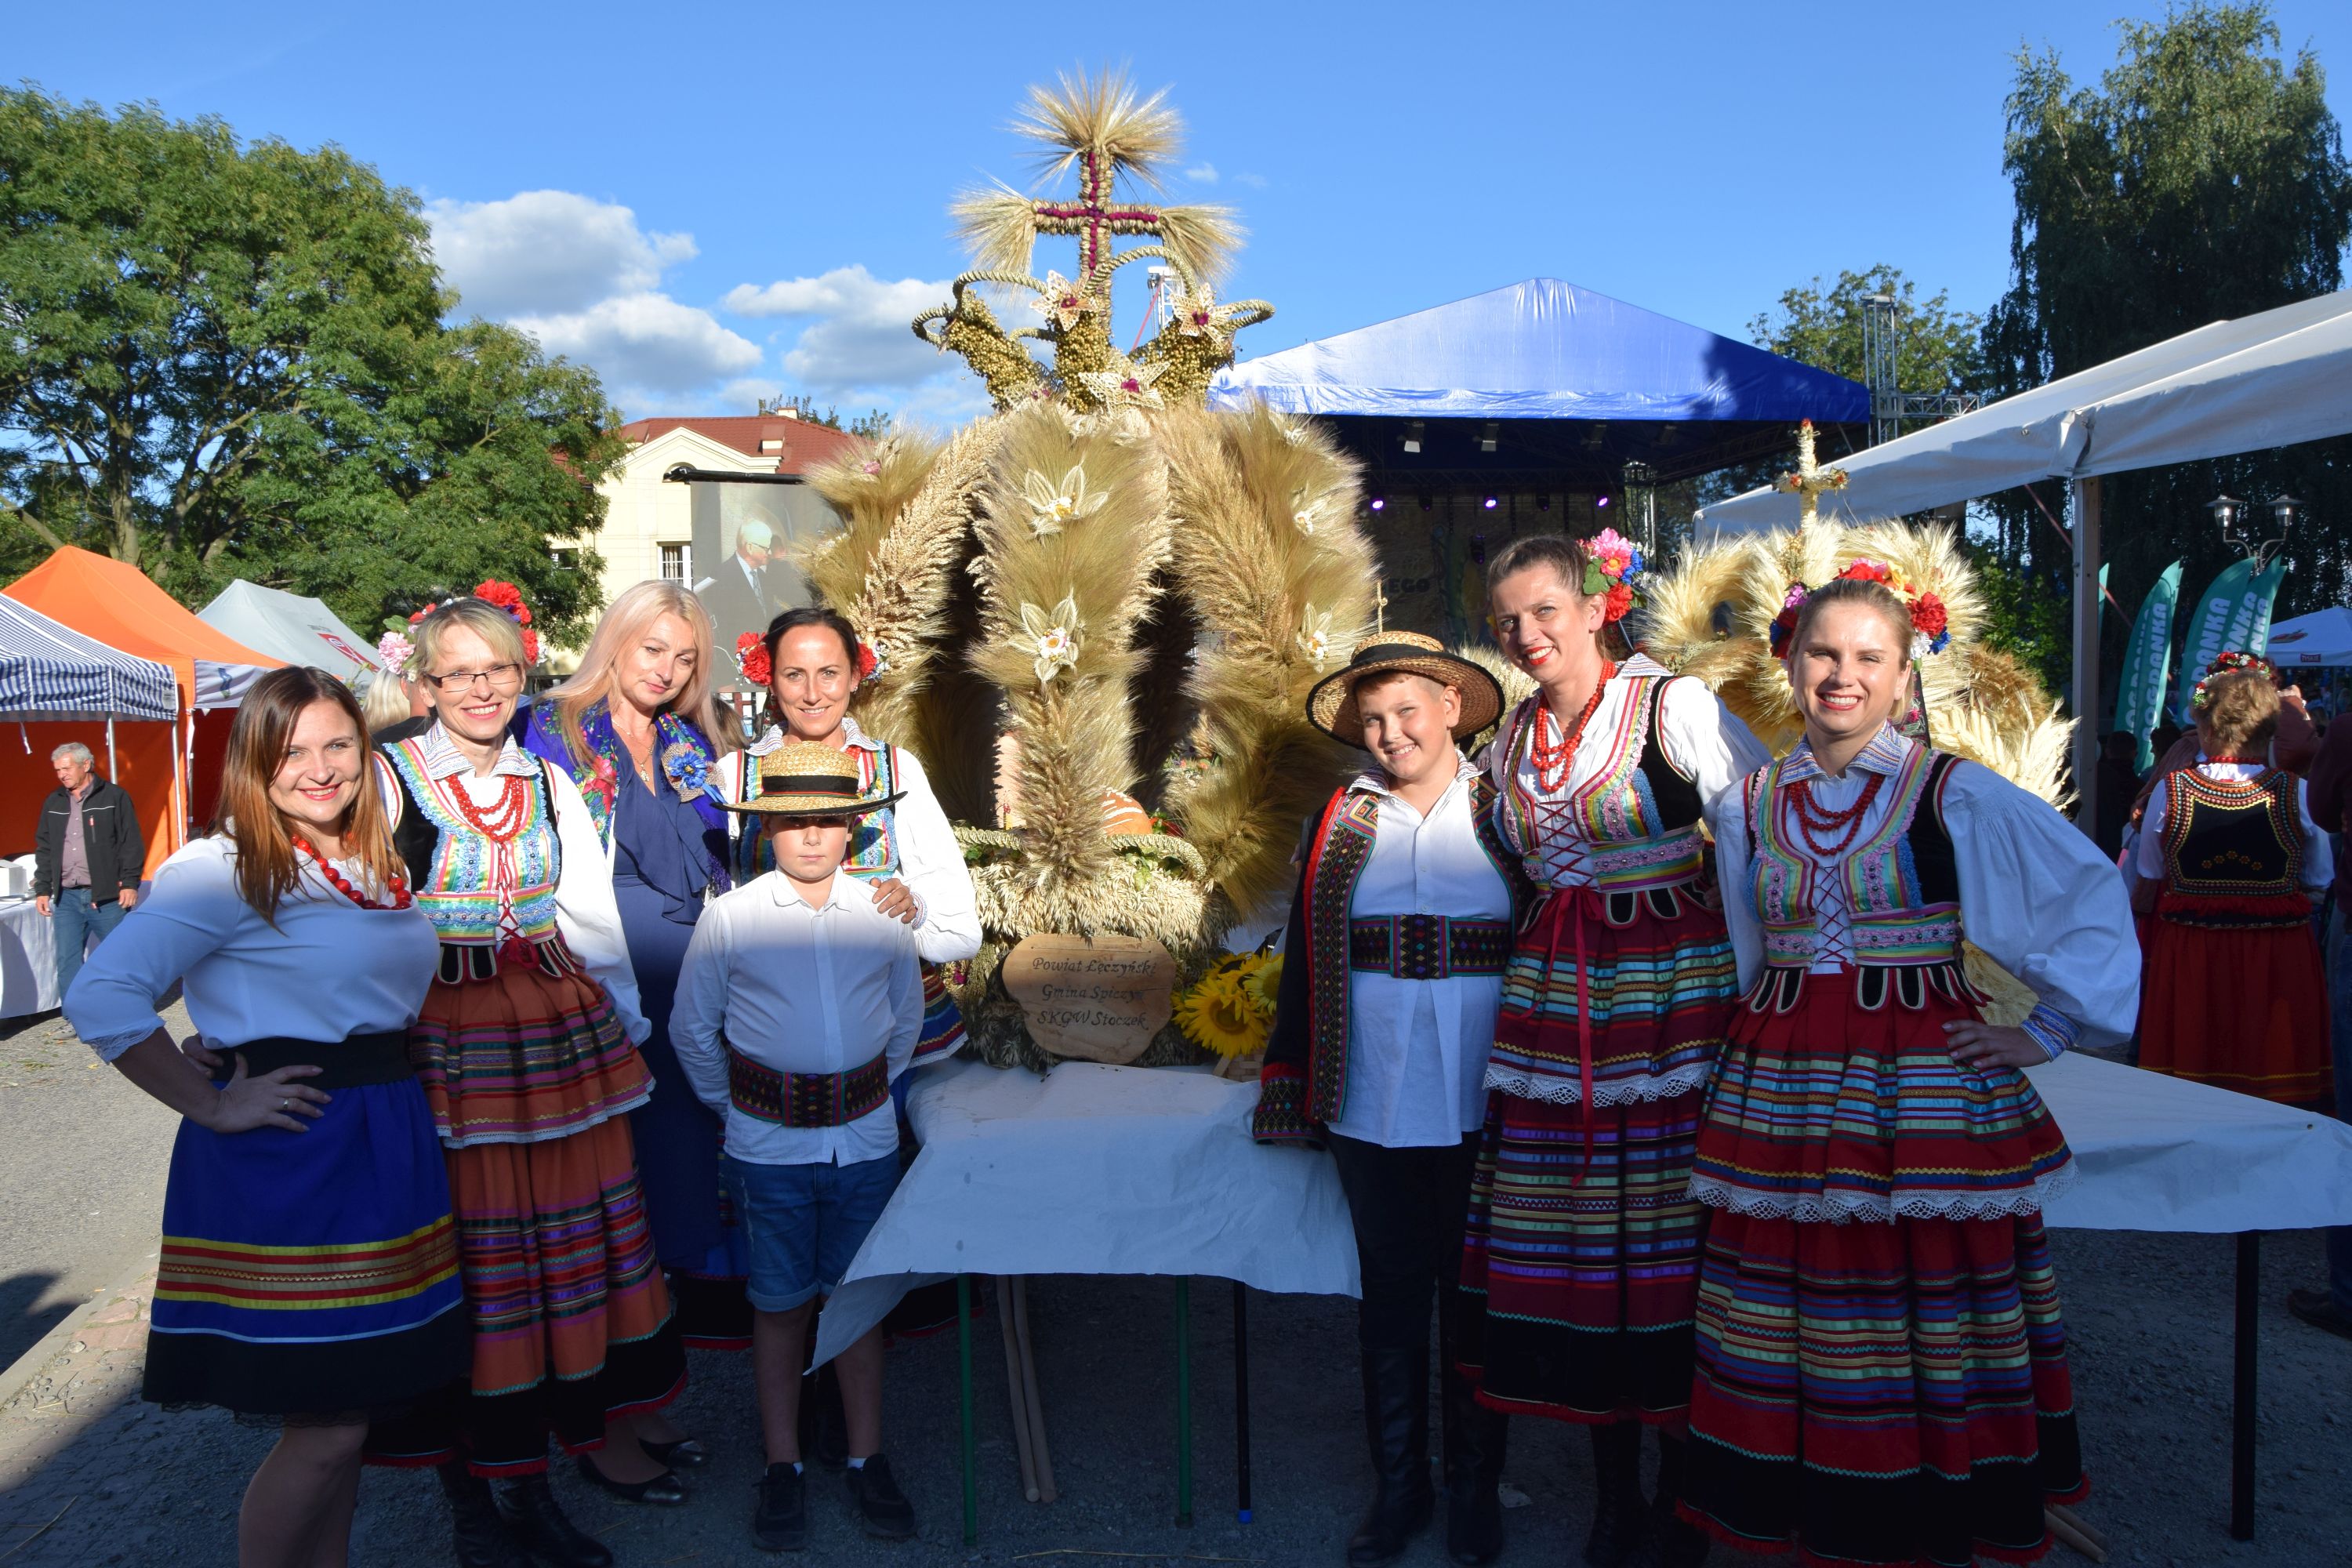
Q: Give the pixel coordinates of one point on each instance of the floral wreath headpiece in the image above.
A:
(2232, 663)
(1931, 624)
(508, 597)
(1611, 564)
(758, 667)
(397, 647)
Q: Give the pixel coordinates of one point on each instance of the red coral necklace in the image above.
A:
(400, 897)
(1846, 824)
(500, 822)
(1553, 757)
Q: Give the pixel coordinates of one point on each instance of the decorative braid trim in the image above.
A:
(2049, 1028)
(1840, 1208)
(1280, 1116)
(1554, 1090)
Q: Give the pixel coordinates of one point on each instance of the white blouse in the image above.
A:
(1417, 1049)
(329, 970)
(1704, 740)
(2318, 859)
(2035, 893)
(931, 861)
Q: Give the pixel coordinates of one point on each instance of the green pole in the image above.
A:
(1183, 1402)
(970, 1431)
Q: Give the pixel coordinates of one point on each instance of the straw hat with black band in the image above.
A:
(806, 778)
(1331, 704)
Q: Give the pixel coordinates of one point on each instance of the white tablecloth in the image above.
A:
(28, 960)
(1104, 1170)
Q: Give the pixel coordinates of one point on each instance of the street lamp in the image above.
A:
(2237, 530)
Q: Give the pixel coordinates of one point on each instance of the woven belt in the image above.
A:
(1428, 947)
(351, 1062)
(805, 1098)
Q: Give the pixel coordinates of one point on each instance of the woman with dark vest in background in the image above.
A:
(526, 1050)
(1581, 1263)
(2234, 995)
(1881, 1364)
(308, 1275)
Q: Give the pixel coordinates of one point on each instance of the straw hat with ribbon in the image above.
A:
(1331, 704)
(805, 778)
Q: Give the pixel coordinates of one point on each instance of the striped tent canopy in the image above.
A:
(49, 671)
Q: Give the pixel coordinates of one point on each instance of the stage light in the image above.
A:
(1412, 434)
(1424, 503)
(1602, 503)
(1490, 503)
(1543, 503)
(1486, 437)
(1380, 503)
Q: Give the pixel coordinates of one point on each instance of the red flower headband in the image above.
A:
(1930, 622)
(2232, 663)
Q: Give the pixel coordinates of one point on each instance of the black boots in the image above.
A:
(1619, 1514)
(1396, 1425)
(1473, 1439)
(528, 1506)
(1670, 1542)
(481, 1536)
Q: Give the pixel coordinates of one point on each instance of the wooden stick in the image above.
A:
(2073, 1537)
(1013, 1383)
(1029, 1386)
(2066, 1515)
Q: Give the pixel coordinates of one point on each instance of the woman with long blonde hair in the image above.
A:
(638, 729)
(291, 931)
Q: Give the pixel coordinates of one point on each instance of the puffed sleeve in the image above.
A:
(2045, 905)
(1727, 823)
(190, 913)
(586, 912)
(947, 911)
(1706, 741)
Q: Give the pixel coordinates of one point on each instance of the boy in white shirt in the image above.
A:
(798, 1004)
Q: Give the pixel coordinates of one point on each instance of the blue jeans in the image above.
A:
(2339, 1007)
(79, 922)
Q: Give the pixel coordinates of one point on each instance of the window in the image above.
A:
(674, 563)
(565, 560)
(772, 444)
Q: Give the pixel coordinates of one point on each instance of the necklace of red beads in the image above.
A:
(501, 820)
(1813, 821)
(1553, 749)
(399, 897)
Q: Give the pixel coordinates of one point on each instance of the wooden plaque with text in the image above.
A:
(1097, 999)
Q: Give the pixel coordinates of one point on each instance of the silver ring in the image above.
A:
(286, 1104)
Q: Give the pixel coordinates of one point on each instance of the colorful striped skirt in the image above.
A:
(1881, 1362)
(1581, 1259)
(316, 1272)
(2241, 1009)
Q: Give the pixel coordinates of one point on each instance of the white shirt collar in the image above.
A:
(775, 735)
(1373, 781)
(847, 892)
(1886, 753)
(443, 760)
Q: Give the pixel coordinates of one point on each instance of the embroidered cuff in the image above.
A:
(1281, 1114)
(2051, 1029)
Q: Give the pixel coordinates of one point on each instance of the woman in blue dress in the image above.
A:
(638, 729)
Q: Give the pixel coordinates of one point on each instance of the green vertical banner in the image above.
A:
(2209, 632)
(2250, 628)
(2139, 701)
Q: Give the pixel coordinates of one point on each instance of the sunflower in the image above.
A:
(1264, 983)
(1217, 1016)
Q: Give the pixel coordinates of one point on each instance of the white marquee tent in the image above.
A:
(290, 626)
(2322, 638)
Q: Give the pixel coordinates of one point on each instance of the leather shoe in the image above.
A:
(685, 1453)
(482, 1540)
(664, 1490)
(528, 1506)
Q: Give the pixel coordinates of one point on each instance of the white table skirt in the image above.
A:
(1104, 1170)
(28, 960)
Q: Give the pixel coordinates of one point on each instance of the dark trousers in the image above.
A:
(1408, 1206)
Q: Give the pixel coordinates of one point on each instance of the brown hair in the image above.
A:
(2241, 714)
(1557, 550)
(630, 618)
(265, 868)
(482, 617)
(1854, 591)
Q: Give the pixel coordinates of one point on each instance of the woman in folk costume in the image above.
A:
(638, 729)
(2235, 996)
(525, 1048)
(308, 1275)
(1392, 967)
(1582, 1254)
(1881, 1366)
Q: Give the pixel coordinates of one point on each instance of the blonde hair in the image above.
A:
(479, 617)
(386, 700)
(2241, 714)
(631, 616)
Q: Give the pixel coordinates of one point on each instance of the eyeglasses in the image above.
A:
(499, 678)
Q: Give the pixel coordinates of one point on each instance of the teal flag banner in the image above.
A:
(2139, 701)
(2209, 631)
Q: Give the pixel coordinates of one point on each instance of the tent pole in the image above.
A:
(2086, 653)
(112, 772)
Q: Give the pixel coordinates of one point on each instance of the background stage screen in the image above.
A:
(747, 539)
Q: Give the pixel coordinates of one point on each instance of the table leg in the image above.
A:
(1183, 1401)
(1242, 1399)
(2242, 1407)
(970, 1427)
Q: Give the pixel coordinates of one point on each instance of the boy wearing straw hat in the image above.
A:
(798, 1004)
(1392, 970)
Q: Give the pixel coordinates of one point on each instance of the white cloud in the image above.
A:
(859, 336)
(1254, 181)
(646, 342)
(1201, 173)
(546, 251)
(746, 393)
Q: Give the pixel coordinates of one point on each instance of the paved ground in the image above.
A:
(90, 1476)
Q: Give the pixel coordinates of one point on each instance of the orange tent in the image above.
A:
(122, 608)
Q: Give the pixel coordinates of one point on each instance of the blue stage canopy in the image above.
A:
(1541, 350)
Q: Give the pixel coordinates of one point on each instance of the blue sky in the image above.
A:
(709, 204)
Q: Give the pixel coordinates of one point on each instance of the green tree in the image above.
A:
(2203, 178)
(1938, 349)
(227, 359)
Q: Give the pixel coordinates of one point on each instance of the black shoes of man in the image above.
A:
(780, 1520)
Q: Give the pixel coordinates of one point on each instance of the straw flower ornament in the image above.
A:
(1198, 314)
(1124, 386)
(1062, 302)
(1052, 636)
(1052, 505)
(1306, 509)
(1315, 637)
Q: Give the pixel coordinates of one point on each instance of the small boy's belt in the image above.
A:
(1428, 947)
(805, 1098)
